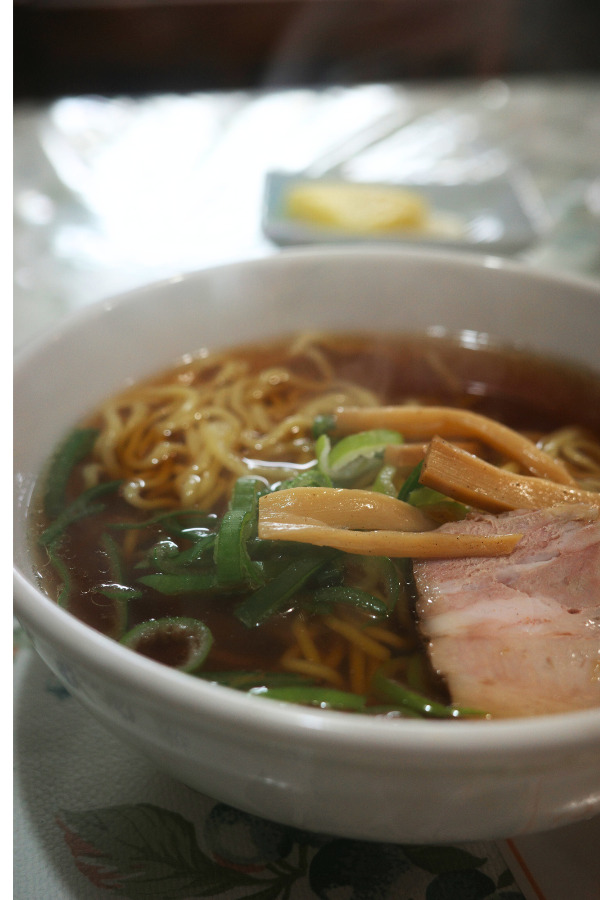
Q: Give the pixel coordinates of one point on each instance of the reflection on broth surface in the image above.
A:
(251, 515)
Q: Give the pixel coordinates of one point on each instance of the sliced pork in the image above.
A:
(518, 635)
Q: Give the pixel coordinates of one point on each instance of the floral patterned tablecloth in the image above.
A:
(94, 819)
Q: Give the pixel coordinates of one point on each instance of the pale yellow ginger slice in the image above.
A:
(359, 208)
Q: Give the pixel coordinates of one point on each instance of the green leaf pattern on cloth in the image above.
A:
(145, 851)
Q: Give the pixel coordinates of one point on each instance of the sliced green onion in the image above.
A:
(323, 424)
(194, 520)
(273, 596)
(246, 492)
(63, 572)
(113, 555)
(234, 566)
(364, 443)
(159, 638)
(351, 596)
(324, 698)
(119, 592)
(354, 456)
(387, 689)
(332, 574)
(384, 482)
(171, 585)
(311, 478)
(426, 497)
(412, 482)
(375, 574)
(120, 596)
(167, 557)
(80, 508)
(76, 446)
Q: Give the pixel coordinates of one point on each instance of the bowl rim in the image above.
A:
(277, 720)
(76, 318)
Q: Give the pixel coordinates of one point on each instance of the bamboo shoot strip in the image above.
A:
(471, 480)
(402, 455)
(343, 508)
(426, 422)
(395, 544)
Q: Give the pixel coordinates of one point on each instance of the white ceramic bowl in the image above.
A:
(407, 781)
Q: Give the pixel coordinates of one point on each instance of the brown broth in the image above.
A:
(527, 392)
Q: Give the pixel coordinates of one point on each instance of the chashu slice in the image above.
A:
(518, 635)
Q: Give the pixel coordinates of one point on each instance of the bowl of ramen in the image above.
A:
(320, 535)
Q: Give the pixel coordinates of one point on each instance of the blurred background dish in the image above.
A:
(500, 215)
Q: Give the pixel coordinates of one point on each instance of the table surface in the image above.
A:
(111, 194)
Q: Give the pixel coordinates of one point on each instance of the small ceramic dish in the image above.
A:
(500, 215)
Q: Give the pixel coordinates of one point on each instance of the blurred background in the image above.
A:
(138, 46)
(145, 131)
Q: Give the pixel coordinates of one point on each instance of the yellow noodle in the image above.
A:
(313, 670)
(575, 447)
(210, 418)
(397, 641)
(336, 652)
(357, 637)
(292, 652)
(307, 344)
(305, 641)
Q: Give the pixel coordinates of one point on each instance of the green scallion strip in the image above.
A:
(391, 691)
(377, 575)
(310, 478)
(412, 482)
(323, 424)
(190, 634)
(273, 596)
(246, 492)
(423, 497)
(363, 443)
(116, 589)
(232, 560)
(119, 592)
(167, 557)
(324, 698)
(239, 525)
(354, 456)
(170, 520)
(351, 596)
(113, 555)
(384, 482)
(63, 572)
(76, 446)
(171, 585)
(84, 505)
